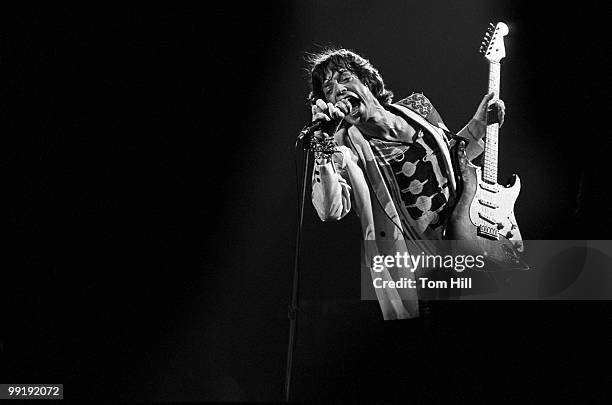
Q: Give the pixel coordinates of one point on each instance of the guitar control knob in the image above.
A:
(509, 235)
(500, 225)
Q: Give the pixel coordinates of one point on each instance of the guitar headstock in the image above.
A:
(492, 46)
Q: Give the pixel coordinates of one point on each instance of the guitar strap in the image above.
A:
(438, 135)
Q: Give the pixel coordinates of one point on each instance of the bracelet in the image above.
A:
(323, 148)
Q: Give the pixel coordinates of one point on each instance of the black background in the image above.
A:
(155, 193)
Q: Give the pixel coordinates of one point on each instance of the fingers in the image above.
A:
(319, 111)
(497, 112)
(314, 109)
(320, 117)
(485, 100)
(500, 104)
(481, 111)
(334, 111)
(501, 111)
(321, 104)
(328, 111)
(491, 111)
(344, 106)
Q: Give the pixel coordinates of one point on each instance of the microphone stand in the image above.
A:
(305, 136)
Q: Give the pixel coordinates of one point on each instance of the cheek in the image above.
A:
(365, 92)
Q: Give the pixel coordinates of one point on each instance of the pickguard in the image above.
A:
(493, 206)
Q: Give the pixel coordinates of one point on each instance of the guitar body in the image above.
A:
(482, 221)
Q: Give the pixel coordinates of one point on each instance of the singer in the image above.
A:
(388, 161)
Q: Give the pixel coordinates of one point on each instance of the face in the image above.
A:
(344, 85)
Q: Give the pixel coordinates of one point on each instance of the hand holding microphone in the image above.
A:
(327, 117)
(328, 111)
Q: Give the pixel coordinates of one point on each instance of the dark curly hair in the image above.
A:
(334, 58)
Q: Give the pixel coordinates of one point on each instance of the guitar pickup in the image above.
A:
(488, 203)
(488, 232)
(487, 218)
(488, 187)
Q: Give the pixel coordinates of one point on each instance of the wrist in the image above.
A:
(323, 148)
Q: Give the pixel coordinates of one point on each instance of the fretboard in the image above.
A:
(492, 134)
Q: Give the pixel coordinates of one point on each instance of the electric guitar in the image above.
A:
(483, 220)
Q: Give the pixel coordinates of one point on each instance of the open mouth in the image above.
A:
(354, 105)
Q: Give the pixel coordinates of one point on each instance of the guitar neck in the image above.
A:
(492, 134)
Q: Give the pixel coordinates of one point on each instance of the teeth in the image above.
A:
(354, 105)
(347, 103)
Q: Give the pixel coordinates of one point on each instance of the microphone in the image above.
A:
(325, 126)
(320, 125)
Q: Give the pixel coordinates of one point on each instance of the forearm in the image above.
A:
(474, 132)
(330, 192)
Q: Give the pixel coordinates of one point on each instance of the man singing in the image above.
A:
(390, 162)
